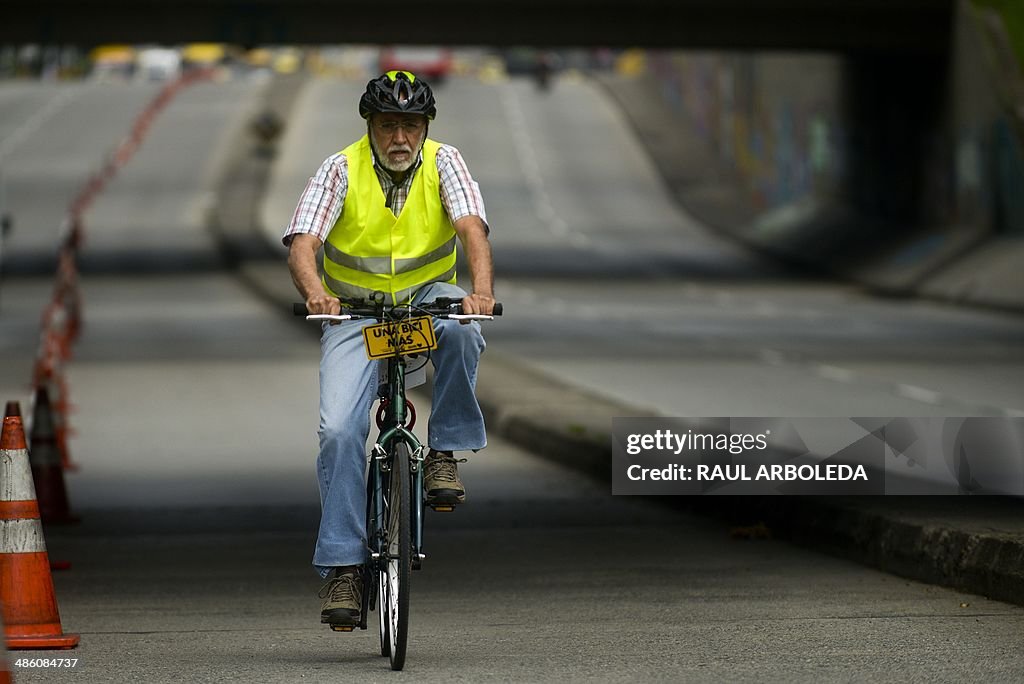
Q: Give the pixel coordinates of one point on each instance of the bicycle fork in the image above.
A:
(379, 461)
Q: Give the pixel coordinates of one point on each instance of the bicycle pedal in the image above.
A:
(343, 628)
(443, 508)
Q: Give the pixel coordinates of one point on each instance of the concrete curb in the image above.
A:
(971, 544)
(914, 537)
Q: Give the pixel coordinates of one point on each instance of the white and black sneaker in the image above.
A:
(441, 478)
(343, 598)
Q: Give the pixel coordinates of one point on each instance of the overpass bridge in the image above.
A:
(835, 25)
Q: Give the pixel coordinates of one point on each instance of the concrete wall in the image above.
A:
(899, 172)
(987, 114)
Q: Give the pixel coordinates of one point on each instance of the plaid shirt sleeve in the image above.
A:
(460, 194)
(320, 204)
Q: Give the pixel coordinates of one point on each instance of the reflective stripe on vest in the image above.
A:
(370, 250)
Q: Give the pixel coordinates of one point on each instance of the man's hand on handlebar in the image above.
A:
(472, 307)
(478, 304)
(323, 304)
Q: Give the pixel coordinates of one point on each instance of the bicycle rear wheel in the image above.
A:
(394, 611)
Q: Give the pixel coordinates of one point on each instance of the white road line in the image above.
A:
(530, 166)
(918, 394)
(22, 132)
(835, 373)
(839, 374)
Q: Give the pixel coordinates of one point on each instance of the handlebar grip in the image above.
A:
(299, 309)
(497, 309)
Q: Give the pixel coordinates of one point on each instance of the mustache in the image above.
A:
(400, 148)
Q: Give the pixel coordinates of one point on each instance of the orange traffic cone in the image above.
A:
(5, 664)
(47, 469)
(14, 409)
(30, 615)
(49, 372)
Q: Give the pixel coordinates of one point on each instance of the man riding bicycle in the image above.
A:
(387, 211)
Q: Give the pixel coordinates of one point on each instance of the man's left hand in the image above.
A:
(478, 304)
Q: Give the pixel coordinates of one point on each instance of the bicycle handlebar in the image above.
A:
(442, 307)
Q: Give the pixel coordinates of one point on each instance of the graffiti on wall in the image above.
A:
(775, 128)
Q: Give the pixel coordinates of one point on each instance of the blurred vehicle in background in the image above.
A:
(265, 61)
(157, 63)
(20, 61)
(541, 64)
(520, 61)
(347, 61)
(524, 60)
(113, 61)
(203, 55)
(432, 63)
(287, 60)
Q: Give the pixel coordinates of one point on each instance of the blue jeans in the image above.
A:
(348, 388)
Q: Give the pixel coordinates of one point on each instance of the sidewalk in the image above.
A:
(972, 544)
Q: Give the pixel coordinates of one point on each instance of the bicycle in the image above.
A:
(395, 504)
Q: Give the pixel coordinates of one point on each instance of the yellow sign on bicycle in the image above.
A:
(409, 336)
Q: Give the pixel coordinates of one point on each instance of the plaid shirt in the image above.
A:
(322, 200)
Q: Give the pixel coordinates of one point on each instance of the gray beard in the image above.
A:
(400, 167)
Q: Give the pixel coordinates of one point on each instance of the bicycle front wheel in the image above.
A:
(375, 526)
(394, 612)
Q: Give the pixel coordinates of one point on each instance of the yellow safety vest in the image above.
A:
(369, 249)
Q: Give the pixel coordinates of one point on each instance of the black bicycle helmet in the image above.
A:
(400, 92)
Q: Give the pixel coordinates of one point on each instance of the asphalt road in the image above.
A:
(53, 137)
(195, 439)
(195, 430)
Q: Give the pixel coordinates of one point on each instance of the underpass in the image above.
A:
(903, 26)
(196, 419)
